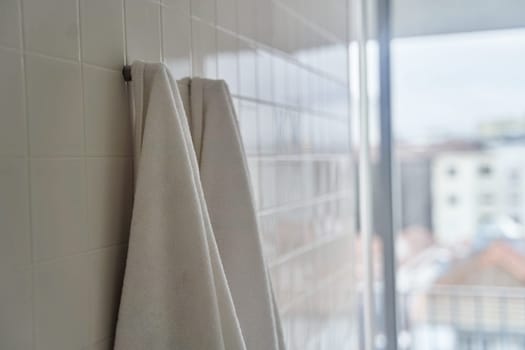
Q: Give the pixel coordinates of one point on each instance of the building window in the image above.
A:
(486, 199)
(515, 175)
(485, 170)
(485, 219)
(452, 200)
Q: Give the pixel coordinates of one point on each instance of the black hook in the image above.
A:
(126, 73)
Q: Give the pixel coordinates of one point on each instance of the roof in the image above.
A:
(502, 256)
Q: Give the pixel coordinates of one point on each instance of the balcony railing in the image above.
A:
(462, 318)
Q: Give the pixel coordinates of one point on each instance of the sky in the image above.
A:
(444, 86)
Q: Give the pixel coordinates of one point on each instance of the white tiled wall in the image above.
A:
(65, 166)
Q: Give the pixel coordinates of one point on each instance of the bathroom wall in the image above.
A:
(65, 166)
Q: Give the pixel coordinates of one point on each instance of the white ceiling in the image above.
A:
(429, 17)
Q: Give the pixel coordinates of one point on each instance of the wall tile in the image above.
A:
(227, 14)
(143, 31)
(177, 42)
(58, 207)
(106, 344)
(204, 46)
(76, 192)
(102, 29)
(204, 10)
(266, 130)
(109, 194)
(13, 140)
(248, 125)
(247, 66)
(108, 272)
(246, 18)
(62, 295)
(57, 37)
(265, 13)
(180, 6)
(279, 83)
(54, 107)
(227, 60)
(10, 23)
(16, 328)
(264, 76)
(107, 119)
(15, 239)
(267, 184)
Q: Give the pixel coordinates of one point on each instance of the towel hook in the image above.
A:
(126, 73)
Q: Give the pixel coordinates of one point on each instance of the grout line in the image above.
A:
(59, 59)
(192, 48)
(82, 78)
(29, 172)
(304, 203)
(316, 27)
(15, 156)
(11, 49)
(294, 108)
(80, 156)
(203, 20)
(82, 253)
(235, 35)
(303, 250)
(125, 32)
(161, 32)
(299, 157)
(106, 69)
(258, 143)
(283, 54)
(215, 40)
(91, 300)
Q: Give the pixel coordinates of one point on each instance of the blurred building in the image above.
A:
(476, 190)
(475, 301)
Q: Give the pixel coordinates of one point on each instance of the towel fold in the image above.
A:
(175, 293)
(225, 180)
(195, 275)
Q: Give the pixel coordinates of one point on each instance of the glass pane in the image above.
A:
(459, 120)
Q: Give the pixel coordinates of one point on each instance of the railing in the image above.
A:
(462, 318)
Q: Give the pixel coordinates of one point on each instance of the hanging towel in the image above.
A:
(225, 181)
(175, 294)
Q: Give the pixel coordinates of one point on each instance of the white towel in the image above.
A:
(194, 243)
(225, 181)
(175, 294)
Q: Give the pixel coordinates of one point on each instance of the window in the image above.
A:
(485, 170)
(456, 273)
(486, 199)
(456, 105)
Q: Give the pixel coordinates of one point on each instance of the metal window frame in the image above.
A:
(387, 232)
(379, 12)
(365, 179)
